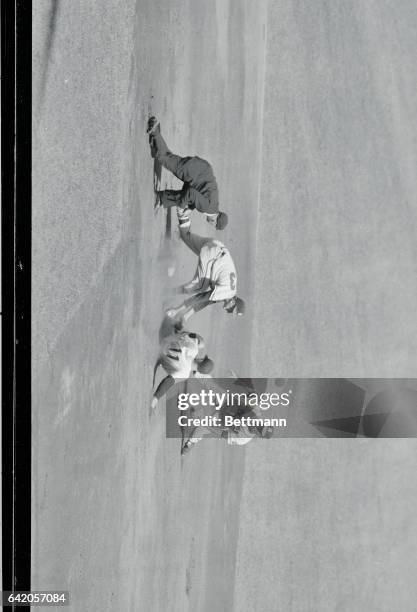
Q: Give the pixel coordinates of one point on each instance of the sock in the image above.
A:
(184, 223)
(183, 217)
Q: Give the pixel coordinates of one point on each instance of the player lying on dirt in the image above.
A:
(236, 435)
(200, 189)
(215, 280)
(179, 358)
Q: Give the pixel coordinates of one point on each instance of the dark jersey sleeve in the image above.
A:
(163, 386)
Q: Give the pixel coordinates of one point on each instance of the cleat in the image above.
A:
(189, 445)
(153, 126)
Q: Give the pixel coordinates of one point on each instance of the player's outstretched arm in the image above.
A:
(177, 290)
(196, 303)
(190, 288)
(190, 306)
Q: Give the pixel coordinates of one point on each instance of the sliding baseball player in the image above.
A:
(200, 189)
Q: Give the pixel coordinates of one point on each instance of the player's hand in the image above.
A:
(171, 313)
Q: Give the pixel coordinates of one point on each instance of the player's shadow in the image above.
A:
(157, 183)
(157, 173)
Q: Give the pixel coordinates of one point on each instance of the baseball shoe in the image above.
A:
(153, 126)
(189, 445)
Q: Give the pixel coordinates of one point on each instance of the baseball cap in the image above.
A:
(222, 221)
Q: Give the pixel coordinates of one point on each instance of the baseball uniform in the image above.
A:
(200, 189)
(216, 271)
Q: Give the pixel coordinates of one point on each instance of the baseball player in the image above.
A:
(200, 189)
(236, 435)
(179, 358)
(215, 279)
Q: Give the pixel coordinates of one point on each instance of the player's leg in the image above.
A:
(159, 148)
(193, 241)
(199, 433)
(159, 144)
(172, 197)
(186, 199)
(195, 199)
(196, 436)
(186, 169)
(189, 444)
(172, 162)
